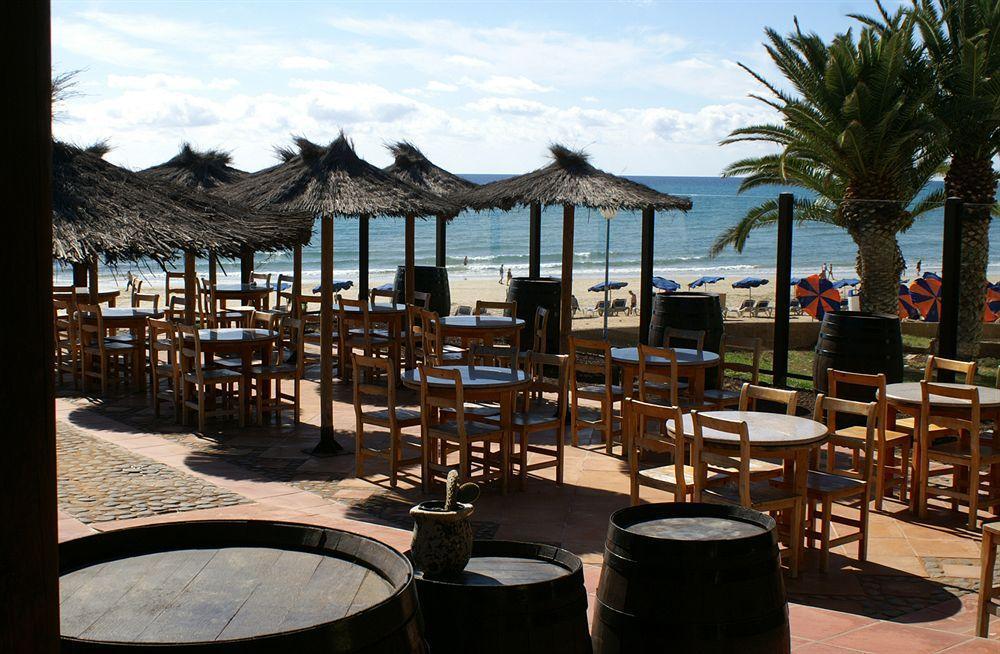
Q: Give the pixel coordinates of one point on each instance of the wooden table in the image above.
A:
(393, 315)
(133, 319)
(484, 328)
(83, 295)
(481, 383)
(905, 397)
(690, 363)
(255, 294)
(772, 435)
(242, 342)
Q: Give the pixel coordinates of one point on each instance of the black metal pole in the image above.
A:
(363, 222)
(782, 282)
(646, 276)
(951, 264)
(535, 241)
(80, 275)
(246, 266)
(440, 242)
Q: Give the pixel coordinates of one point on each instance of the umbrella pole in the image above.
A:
(607, 272)
(328, 445)
(565, 303)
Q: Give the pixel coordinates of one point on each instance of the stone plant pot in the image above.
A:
(442, 540)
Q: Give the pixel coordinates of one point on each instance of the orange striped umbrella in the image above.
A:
(817, 296)
(991, 308)
(906, 307)
(926, 294)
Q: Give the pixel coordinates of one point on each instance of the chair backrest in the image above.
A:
(929, 414)
(421, 299)
(347, 318)
(261, 279)
(540, 330)
(90, 325)
(618, 303)
(367, 369)
(64, 321)
(750, 394)
(453, 399)
(284, 292)
(747, 304)
(291, 346)
(590, 356)
(433, 342)
(504, 356)
(175, 309)
(415, 333)
(700, 460)
(639, 416)
(505, 308)
(536, 367)
(763, 304)
(190, 351)
(151, 298)
(264, 320)
(673, 337)
(837, 379)
(658, 373)
(176, 287)
(207, 305)
(162, 338)
(742, 347)
(936, 363)
(826, 411)
(374, 294)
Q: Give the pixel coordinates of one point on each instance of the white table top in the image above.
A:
(473, 377)
(909, 393)
(775, 430)
(685, 357)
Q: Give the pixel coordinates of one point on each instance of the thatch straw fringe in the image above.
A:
(410, 165)
(333, 180)
(570, 179)
(202, 170)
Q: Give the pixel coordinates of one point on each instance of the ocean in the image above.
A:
(682, 241)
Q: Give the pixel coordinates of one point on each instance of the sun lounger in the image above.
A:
(746, 307)
(617, 306)
(763, 307)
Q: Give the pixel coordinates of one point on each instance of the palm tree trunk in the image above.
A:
(880, 264)
(974, 181)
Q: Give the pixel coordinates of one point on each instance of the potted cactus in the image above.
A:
(442, 532)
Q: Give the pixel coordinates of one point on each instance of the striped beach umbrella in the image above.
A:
(926, 294)
(906, 307)
(817, 296)
(991, 308)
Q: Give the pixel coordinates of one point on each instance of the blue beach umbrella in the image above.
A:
(338, 285)
(931, 275)
(611, 286)
(851, 281)
(795, 280)
(667, 285)
(391, 286)
(817, 296)
(701, 281)
(750, 283)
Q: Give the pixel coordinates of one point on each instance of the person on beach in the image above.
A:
(822, 273)
(919, 261)
(830, 272)
(466, 262)
(631, 302)
(501, 274)
(508, 277)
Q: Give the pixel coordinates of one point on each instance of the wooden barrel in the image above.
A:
(691, 578)
(858, 341)
(688, 310)
(525, 598)
(427, 279)
(531, 294)
(236, 586)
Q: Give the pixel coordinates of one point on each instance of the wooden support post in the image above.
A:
(566, 301)
(94, 284)
(246, 266)
(951, 281)
(213, 269)
(409, 258)
(363, 223)
(646, 275)
(80, 273)
(296, 279)
(782, 283)
(190, 288)
(328, 445)
(29, 611)
(535, 241)
(441, 242)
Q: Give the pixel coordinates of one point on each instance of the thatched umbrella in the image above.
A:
(333, 181)
(102, 210)
(570, 180)
(410, 165)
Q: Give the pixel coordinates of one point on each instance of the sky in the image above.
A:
(647, 88)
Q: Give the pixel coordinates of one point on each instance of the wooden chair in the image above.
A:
(67, 345)
(415, 334)
(364, 338)
(505, 308)
(261, 279)
(760, 496)
(173, 286)
(970, 454)
(309, 313)
(582, 356)
(387, 416)
(676, 477)
(214, 315)
(842, 486)
(152, 300)
(200, 382)
(164, 373)
(287, 364)
(436, 351)
(887, 473)
(537, 414)
(750, 394)
(421, 299)
(98, 353)
(175, 309)
(374, 294)
(722, 397)
(459, 434)
(965, 374)
(284, 297)
(539, 333)
(673, 337)
(988, 589)
(659, 383)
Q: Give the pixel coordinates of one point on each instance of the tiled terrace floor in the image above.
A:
(120, 467)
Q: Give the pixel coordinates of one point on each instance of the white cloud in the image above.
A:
(707, 125)
(304, 63)
(172, 82)
(514, 106)
(440, 87)
(94, 43)
(506, 85)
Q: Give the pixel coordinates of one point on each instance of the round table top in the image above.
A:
(243, 288)
(481, 322)
(374, 308)
(685, 357)
(909, 393)
(473, 377)
(236, 335)
(775, 430)
(112, 313)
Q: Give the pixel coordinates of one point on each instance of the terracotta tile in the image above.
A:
(819, 624)
(976, 646)
(888, 637)
(821, 648)
(955, 547)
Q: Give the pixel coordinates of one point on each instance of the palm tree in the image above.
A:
(856, 134)
(961, 48)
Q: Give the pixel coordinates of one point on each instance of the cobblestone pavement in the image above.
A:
(99, 481)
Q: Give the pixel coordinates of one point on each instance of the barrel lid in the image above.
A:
(697, 528)
(511, 563)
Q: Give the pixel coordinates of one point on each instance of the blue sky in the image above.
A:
(648, 88)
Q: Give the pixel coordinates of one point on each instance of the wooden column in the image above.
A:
(327, 443)
(80, 273)
(566, 303)
(296, 279)
(646, 275)
(190, 288)
(782, 282)
(535, 241)
(441, 242)
(246, 266)
(29, 610)
(951, 273)
(410, 257)
(363, 223)
(94, 284)
(213, 272)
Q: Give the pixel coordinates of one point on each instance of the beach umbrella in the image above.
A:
(338, 285)
(991, 308)
(931, 275)
(570, 180)
(926, 294)
(817, 296)
(390, 286)
(701, 281)
(667, 285)
(603, 286)
(326, 182)
(750, 283)
(906, 307)
(795, 280)
(850, 281)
